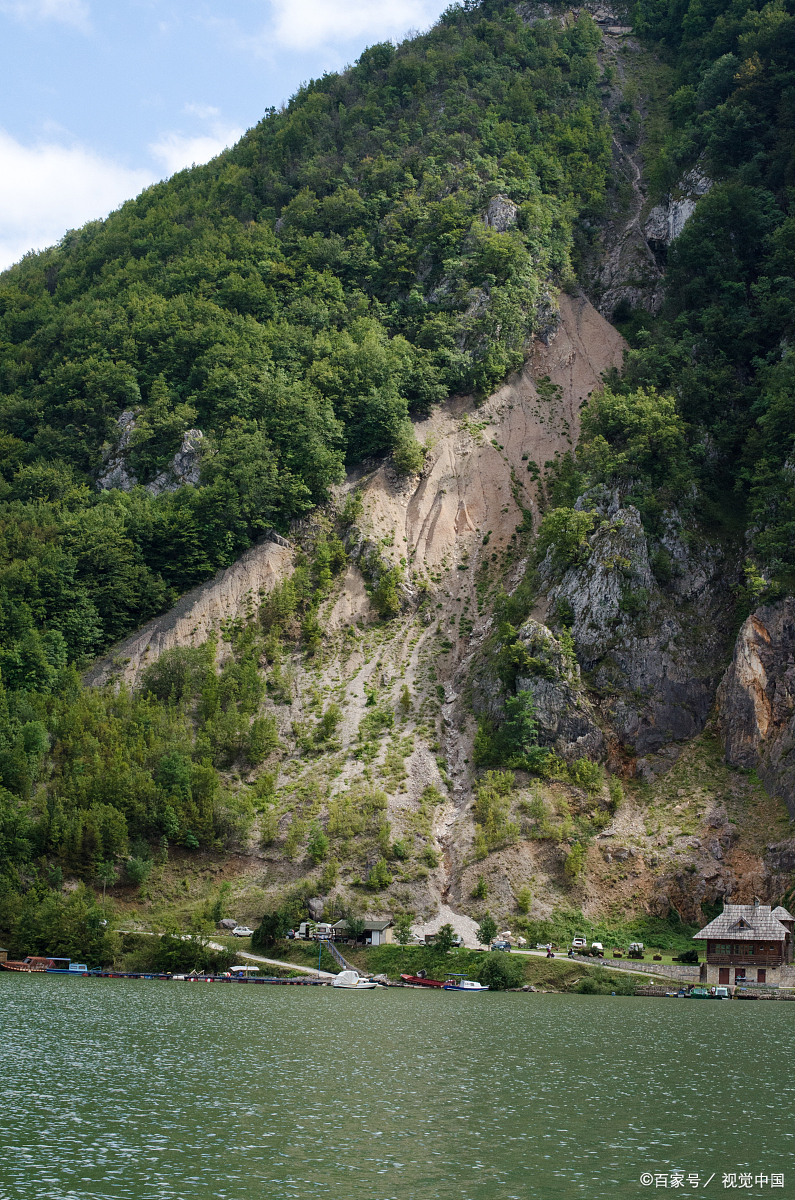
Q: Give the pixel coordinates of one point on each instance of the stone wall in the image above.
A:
(680, 971)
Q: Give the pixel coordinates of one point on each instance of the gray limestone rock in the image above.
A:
(652, 653)
(227, 923)
(115, 469)
(667, 220)
(315, 906)
(184, 468)
(501, 214)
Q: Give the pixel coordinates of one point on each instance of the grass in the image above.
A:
(558, 974)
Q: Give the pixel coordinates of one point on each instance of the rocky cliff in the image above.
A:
(756, 699)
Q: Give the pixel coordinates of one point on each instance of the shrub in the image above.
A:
(481, 889)
(379, 876)
(318, 843)
(587, 774)
(328, 876)
(565, 531)
(429, 856)
(524, 899)
(408, 455)
(501, 971)
(575, 860)
(138, 870)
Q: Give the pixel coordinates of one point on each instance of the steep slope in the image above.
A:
(518, 547)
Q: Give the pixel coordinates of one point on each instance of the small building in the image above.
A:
(748, 943)
(375, 933)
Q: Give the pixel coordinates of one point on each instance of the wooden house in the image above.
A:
(748, 943)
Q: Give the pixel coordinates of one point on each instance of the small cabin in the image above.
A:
(375, 933)
(747, 944)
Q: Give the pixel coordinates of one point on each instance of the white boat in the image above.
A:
(460, 983)
(352, 979)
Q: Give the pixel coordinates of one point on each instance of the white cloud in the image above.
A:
(68, 12)
(307, 24)
(176, 150)
(49, 188)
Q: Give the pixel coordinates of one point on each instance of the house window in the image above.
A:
(723, 948)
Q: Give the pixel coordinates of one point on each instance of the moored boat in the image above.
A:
(422, 980)
(461, 983)
(354, 981)
(52, 966)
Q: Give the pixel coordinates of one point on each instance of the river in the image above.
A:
(117, 1089)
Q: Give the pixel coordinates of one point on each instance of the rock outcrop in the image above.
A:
(183, 469)
(565, 717)
(501, 214)
(116, 472)
(654, 652)
(185, 466)
(756, 699)
(667, 220)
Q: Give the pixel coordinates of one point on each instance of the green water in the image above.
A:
(132, 1088)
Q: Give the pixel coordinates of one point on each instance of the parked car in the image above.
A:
(242, 931)
(579, 944)
(501, 946)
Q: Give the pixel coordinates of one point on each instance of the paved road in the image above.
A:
(271, 962)
(275, 962)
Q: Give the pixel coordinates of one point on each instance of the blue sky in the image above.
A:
(102, 97)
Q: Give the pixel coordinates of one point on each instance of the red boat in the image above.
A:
(422, 980)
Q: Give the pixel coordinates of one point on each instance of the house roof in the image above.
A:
(781, 914)
(745, 922)
(369, 926)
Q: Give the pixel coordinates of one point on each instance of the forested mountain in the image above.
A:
(397, 234)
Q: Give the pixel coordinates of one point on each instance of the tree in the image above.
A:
(106, 874)
(487, 930)
(273, 926)
(444, 939)
(403, 922)
(520, 730)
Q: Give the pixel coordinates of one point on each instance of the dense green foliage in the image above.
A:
(721, 346)
(296, 299)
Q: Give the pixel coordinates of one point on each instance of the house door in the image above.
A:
(761, 976)
(723, 975)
